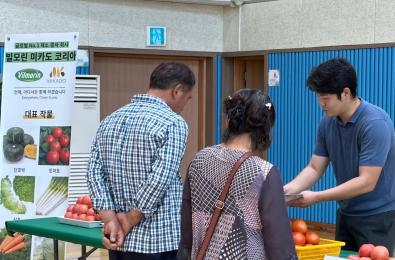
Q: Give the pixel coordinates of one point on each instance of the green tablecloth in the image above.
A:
(345, 253)
(51, 228)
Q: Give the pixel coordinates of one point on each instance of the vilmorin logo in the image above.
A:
(28, 75)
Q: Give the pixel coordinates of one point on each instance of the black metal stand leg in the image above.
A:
(55, 249)
(85, 254)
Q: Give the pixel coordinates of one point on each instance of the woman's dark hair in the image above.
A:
(169, 74)
(250, 111)
(332, 76)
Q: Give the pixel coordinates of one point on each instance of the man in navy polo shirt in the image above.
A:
(358, 139)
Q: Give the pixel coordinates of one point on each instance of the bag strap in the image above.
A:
(219, 205)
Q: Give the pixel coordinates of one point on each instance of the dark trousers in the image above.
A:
(118, 255)
(376, 229)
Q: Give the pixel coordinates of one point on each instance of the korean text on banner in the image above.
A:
(37, 98)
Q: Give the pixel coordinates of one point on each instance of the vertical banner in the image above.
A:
(37, 98)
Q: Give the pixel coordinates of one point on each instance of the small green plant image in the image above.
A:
(24, 187)
(54, 145)
(17, 143)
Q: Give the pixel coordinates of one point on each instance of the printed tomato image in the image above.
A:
(57, 132)
(49, 139)
(54, 145)
(53, 157)
(64, 140)
(64, 155)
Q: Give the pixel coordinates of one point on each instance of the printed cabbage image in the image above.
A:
(10, 199)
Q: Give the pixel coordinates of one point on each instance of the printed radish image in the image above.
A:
(53, 196)
(54, 145)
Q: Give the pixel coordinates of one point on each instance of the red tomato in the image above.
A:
(57, 132)
(49, 139)
(87, 201)
(79, 200)
(68, 214)
(312, 238)
(64, 155)
(55, 146)
(53, 157)
(64, 140)
(299, 226)
(82, 217)
(70, 208)
(76, 208)
(74, 216)
(353, 257)
(90, 218)
(90, 212)
(379, 253)
(82, 209)
(299, 238)
(365, 250)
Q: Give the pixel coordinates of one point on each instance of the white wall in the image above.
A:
(115, 23)
(278, 24)
(310, 23)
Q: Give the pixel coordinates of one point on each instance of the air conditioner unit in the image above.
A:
(85, 121)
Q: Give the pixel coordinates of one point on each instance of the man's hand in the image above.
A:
(308, 198)
(129, 219)
(113, 235)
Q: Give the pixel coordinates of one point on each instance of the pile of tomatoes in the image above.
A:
(82, 210)
(301, 235)
(58, 143)
(371, 252)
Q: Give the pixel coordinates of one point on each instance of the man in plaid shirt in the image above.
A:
(133, 173)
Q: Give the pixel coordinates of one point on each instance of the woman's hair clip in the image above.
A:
(229, 97)
(268, 105)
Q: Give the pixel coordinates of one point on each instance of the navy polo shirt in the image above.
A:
(367, 139)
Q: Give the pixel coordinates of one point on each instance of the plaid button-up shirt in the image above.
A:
(134, 164)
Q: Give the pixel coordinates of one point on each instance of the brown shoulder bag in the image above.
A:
(219, 205)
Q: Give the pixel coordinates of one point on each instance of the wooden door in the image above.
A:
(243, 72)
(249, 72)
(122, 76)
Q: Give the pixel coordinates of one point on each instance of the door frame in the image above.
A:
(206, 87)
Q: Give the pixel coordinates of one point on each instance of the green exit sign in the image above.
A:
(156, 36)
